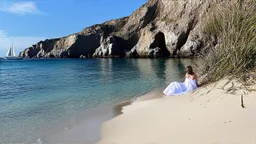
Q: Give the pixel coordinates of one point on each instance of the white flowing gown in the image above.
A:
(177, 88)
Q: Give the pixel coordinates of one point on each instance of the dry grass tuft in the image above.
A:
(234, 27)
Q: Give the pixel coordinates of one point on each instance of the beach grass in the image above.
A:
(233, 26)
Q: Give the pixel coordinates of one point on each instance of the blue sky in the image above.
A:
(25, 22)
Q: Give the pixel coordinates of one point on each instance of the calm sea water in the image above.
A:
(36, 95)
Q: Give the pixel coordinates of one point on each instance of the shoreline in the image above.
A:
(148, 118)
(88, 129)
(64, 98)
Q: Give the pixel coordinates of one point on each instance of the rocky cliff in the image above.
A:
(159, 28)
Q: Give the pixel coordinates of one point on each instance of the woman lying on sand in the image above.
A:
(177, 88)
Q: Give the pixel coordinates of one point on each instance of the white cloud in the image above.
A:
(22, 8)
(20, 42)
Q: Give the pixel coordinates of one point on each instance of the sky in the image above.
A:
(26, 22)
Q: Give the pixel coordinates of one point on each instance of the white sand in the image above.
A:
(208, 116)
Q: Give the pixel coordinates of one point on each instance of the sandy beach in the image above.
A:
(209, 115)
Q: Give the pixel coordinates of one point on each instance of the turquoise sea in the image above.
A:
(37, 95)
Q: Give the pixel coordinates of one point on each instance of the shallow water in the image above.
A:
(38, 96)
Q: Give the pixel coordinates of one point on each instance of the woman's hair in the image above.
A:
(190, 70)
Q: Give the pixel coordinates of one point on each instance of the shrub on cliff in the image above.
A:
(233, 26)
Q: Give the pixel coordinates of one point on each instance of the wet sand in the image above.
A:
(88, 130)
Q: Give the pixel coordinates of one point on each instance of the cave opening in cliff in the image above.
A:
(159, 42)
(131, 42)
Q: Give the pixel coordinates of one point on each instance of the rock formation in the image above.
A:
(159, 28)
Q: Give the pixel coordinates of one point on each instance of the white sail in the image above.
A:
(10, 52)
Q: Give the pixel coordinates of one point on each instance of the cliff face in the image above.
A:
(160, 28)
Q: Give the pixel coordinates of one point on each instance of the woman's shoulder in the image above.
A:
(193, 76)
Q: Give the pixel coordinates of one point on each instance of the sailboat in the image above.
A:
(11, 54)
